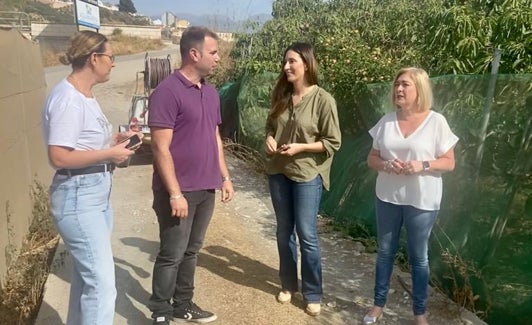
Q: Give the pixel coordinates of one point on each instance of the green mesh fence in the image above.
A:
(481, 247)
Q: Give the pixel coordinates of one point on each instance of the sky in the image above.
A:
(234, 9)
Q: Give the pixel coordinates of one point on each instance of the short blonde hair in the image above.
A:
(423, 87)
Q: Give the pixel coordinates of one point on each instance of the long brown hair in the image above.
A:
(283, 88)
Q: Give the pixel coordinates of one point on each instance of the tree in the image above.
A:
(462, 36)
(127, 6)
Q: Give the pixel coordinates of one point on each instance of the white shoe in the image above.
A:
(370, 320)
(284, 297)
(313, 309)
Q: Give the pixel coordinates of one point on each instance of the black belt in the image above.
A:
(87, 170)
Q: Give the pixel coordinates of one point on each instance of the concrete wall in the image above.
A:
(24, 158)
(151, 32)
(41, 30)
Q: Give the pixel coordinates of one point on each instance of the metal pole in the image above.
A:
(76, 14)
(487, 111)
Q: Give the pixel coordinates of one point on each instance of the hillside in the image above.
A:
(43, 13)
(221, 23)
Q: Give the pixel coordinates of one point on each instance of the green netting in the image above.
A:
(481, 248)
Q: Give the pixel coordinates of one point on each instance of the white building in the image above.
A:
(108, 6)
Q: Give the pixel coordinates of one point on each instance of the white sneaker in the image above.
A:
(313, 309)
(284, 297)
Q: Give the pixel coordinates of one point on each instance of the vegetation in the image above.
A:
(40, 12)
(376, 37)
(127, 6)
(360, 44)
(117, 17)
(21, 295)
(122, 45)
(225, 67)
(366, 41)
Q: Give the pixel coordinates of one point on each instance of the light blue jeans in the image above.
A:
(82, 213)
(418, 224)
(296, 207)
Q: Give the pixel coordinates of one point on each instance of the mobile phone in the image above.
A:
(134, 140)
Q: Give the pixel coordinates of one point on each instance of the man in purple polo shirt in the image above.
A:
(189, 165)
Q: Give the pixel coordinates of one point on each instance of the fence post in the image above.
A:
(487, 111)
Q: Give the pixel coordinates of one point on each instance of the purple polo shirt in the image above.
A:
(193, 113)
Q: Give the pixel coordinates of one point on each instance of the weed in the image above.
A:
(224, 72)
(11, 248)
(21, 296)
(460, 276)
(246, 154)
(117, 32)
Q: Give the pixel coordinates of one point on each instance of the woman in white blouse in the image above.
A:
(412, 147)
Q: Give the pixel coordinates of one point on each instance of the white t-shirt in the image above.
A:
(69, 119)
(431, 139)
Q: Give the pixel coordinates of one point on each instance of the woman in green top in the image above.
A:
(302, 135)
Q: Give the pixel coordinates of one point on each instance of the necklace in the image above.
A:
(74, 82)
(296, 98)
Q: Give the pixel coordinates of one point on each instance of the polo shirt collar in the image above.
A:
(185, 81)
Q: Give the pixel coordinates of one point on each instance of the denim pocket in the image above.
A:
(89, 180)
(62, 197)
(70, 196)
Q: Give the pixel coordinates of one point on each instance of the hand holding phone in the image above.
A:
(281, 148)
(134, 142)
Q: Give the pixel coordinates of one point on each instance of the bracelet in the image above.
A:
(387, 166)
(226, 179)
(175, 197)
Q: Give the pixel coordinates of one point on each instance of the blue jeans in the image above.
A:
(418, 224)
(296, 207)
(82, 213)
(181, 240)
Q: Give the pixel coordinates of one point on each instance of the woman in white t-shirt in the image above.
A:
(412, 147)
(83, 150)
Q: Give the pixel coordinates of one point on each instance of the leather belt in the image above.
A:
(87, 170)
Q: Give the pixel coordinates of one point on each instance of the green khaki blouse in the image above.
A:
(313, 119)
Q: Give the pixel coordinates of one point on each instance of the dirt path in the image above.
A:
(237, 268)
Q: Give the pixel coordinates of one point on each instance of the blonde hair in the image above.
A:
(83, 44)
(423, 87)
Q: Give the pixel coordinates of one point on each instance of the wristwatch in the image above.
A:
(426, 165)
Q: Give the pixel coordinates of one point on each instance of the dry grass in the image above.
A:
(247, 154)
(122, 45)
(225, 69)
(21, 296)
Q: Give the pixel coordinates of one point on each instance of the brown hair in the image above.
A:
(83, 44)
(194, 37)
(283, 88)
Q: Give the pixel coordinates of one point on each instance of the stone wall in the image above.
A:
(24, 159)
(42, 31)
